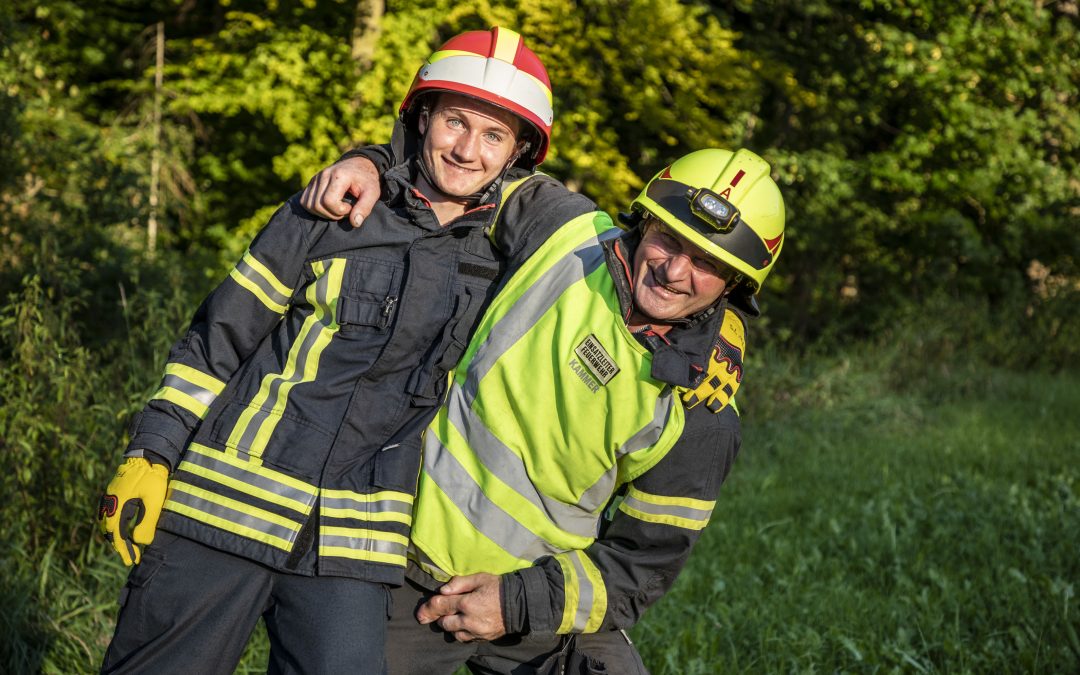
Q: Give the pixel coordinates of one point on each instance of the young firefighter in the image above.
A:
(290, 414)
(567, 396)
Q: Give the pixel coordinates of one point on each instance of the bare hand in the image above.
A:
(324, 196)
(469, 607)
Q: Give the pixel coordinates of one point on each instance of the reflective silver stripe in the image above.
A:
(363, 544)
(444, 470)
(598, 494)
(255, 423)
(585, 595)
(494, 75)
(686, 512)
(233, 516)
(501, 462)
(200, 394)
(253, 479)
(380, 506)
(533, 303)
(253, 275)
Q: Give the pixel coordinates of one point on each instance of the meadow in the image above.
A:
(932, 527)
(879, 519)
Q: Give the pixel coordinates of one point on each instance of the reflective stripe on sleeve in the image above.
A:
(257, 278)
(585, 602)
(684, 512)
(188, 388)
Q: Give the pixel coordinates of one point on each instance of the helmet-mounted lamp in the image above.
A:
(718, 212)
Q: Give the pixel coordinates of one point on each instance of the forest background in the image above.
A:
(906, 499)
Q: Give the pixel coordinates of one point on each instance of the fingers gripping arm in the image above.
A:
(348, 188)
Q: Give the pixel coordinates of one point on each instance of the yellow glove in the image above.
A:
(725, 367)
(133, 499)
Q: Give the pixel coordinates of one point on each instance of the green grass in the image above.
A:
(935, 530)
(876, 521)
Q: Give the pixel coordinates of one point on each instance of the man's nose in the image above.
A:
(467, 146)
(677, 267)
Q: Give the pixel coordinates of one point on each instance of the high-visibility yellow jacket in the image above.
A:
(554, 409)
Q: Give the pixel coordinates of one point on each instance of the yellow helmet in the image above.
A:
(724, 202)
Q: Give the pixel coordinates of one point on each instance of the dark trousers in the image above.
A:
(188, 608)
(413, 649)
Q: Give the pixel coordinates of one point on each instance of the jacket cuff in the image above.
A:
(515, 614)
(160, 435)
(537, 606)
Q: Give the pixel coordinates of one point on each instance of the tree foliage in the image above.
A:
(928, 152)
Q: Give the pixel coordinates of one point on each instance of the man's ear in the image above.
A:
(422, 121)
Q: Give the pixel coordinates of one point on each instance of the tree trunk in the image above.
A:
(366, 28)
(155, 156)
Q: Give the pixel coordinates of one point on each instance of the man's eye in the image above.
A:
(705, 265)
(453, 122)
(493, 138)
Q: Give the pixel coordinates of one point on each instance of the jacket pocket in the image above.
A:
(397, 467)
(293, 444)
(368, 301)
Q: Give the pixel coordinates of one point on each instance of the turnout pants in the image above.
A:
(188, 608)
(414, 649)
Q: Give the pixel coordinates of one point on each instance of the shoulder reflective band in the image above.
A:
(740, 241)
(684, 512)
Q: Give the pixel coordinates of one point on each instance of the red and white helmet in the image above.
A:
(494, 66)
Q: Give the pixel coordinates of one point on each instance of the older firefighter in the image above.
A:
(290, 414)
(567, 397)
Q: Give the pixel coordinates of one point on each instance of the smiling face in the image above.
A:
(467, 143)
(673, 279)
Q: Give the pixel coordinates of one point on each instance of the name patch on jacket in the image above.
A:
(595, 359)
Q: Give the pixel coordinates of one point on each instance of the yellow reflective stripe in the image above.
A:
(662, 500)
(236, 505)
(181, 399)
(364, 534)
(379, 517)
(266, 274)
(257, 292)
(385, 495)
(246, 488)
(695, 513)
(254, 468)
(193, 376)
(323, 306)
(506, 44)
(354, 554)
(599, 593)
(300, 352)
(447, 53)
(229, 526)
(571, 595)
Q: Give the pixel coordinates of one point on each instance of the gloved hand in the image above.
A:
(725, 367)
(133, 499)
